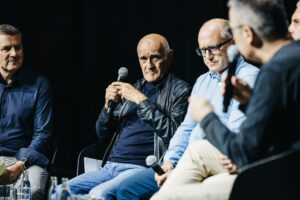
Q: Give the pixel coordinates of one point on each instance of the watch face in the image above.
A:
(25, 163)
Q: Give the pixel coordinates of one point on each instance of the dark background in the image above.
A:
(80, 45)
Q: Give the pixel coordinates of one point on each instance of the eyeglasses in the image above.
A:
(215, 50)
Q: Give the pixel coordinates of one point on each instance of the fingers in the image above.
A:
(161, 179)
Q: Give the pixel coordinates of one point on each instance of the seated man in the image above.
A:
(294, 27)
(214, 38)
(261, 33)
(25, 116)
(152, 110)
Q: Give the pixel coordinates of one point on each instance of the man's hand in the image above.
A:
(227, 164)
(241, 92)
(199, 107)
(168, 168)
(12, 173)
(127, 91)
(111, 95)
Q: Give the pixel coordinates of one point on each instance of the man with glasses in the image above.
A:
(214, 38)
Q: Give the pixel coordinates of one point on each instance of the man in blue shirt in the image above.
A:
(214, 38)
(25, 116)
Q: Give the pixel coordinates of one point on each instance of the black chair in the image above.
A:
(95, 151)
(275, 177)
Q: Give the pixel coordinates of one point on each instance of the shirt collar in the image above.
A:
(19, 77)
(214, 75)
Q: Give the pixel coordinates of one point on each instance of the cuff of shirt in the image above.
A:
(207, 119)
(169, 159)
(34, 156)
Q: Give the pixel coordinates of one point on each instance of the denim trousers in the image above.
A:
(142, 185)
(104, 181)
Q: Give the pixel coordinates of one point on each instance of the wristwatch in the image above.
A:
(26, 163)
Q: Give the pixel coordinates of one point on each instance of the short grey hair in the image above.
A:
(266, 17)
(9, 30)
(226, 31)
(298, 4)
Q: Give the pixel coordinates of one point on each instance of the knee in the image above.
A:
(96, 192)
(198, 146)
(38, 193)
(123, 191)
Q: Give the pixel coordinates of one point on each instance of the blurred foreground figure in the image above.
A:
(294, 27)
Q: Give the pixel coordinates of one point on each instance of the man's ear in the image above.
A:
(170, 55)
(251, 37)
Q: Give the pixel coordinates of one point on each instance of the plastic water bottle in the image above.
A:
(25, 189)
(65, 193)
(52, 194)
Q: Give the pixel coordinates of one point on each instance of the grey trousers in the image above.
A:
(37, 177)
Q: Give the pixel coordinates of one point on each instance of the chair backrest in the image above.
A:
(95, 150)
(276, 177)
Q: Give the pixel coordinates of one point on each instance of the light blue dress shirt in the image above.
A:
(208, 86)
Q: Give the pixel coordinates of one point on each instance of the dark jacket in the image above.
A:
(165, 116)
(272, 125)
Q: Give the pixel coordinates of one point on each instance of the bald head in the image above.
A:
(154, 40)
(155, 56)
(215, 32)
(215, 29)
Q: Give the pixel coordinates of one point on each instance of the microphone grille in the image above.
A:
(123, 72)
(151, 161)
(232, 53)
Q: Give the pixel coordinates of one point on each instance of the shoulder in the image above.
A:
(32, 78)
(177, 82)
(244, 68)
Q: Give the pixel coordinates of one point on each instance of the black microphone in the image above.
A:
(151, 161)
(122, 74)
(233, 55)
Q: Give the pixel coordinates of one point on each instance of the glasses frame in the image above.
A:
(218, 46)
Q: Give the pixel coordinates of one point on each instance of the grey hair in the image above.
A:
(298, 4)
(9, 30)
(266, 17)
(226, 32)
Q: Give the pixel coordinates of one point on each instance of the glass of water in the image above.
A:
(6, 192)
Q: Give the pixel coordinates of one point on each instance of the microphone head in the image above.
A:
(123, 72)
(232, 53)
(151, 161)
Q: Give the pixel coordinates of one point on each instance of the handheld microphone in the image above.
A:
(122, 74)
(233, 55)
(151, 161)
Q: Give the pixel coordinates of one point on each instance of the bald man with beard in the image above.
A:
(214, 38)
(141, 124)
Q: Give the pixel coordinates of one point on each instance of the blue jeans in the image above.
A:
(142, 185)
(105, 181)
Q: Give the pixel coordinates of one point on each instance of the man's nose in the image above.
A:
(209, 55)
(13, 52)
(149, 63)
(291, 28)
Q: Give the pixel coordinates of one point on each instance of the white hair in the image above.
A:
(298, 4)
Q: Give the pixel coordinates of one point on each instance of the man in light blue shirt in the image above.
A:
(214, 38)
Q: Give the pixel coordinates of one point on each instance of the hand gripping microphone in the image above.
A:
(122, 74)
(151, 161)
(233, 55)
